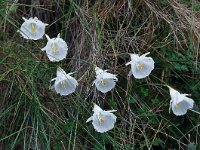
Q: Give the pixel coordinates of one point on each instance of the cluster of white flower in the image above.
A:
(65, 84)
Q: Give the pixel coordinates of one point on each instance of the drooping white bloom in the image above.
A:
(32, 28)
(56, 48)
(179, 102)
(102, 121)
(141, 66)
(104, 81)
(64, 83)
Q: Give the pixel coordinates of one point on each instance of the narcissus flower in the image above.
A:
(64, 83)
(179, 102)
(102, 121)
(32, 28)
(104, 81)
(56, 48)
(141, 66)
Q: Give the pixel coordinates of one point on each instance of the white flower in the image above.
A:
(141, 66)
(179, 102)
(102, 120)
(64, 83)
(104, 81)
(56, 48)
(32, 28)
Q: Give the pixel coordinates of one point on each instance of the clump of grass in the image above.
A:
(99, 33)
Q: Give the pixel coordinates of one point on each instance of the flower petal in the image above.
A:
(134, 57)
(109, 85)
(106, 75)
(64, 83)
(147, 67)
(107, 124)
(180, 108)
(98, 70)
(179, 102)
(128, 63)
(89, 119)
(32, 29)
(61, 73)
(65, 90)
(48, 38)
(97, 109)
(144, 55)
(59, 51)
(141, 66)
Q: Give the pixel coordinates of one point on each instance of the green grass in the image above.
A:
(103, 33)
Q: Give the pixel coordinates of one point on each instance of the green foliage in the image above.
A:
(191, 146)
(32, 116)
(177, 61)
(158, 142)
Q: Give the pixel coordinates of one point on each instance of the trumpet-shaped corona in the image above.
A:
(32, 28)
(141, 66)
(102, 121)
(104, 81)
(64, 83)
(56, 48)
(179, 102)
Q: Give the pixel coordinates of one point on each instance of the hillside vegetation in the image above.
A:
(100, 33)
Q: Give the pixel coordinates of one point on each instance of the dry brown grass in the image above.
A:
(102, 33)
